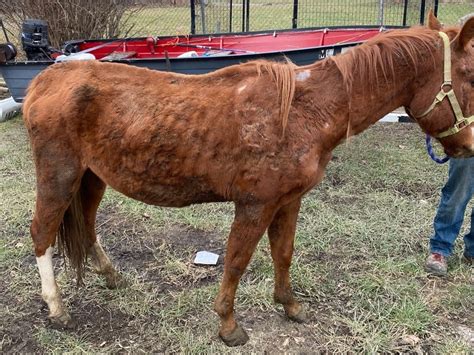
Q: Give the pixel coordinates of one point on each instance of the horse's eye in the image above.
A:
(472, 83)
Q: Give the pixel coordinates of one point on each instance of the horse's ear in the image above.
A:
(466, 34)
(433, 22)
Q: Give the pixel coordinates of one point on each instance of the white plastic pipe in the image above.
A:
(8, 109)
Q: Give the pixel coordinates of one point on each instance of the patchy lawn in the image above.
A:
(358, 267)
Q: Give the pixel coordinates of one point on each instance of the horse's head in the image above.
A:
(444, 104)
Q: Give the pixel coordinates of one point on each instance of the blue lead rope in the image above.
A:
(432, 154)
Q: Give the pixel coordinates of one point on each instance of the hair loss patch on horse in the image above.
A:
(303, 75)
(241, 88)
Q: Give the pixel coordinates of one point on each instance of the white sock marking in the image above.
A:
(49, 288)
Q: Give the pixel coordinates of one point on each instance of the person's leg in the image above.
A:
(455, 196)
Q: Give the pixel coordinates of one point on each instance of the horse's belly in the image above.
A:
(175, 197)
(185, 193)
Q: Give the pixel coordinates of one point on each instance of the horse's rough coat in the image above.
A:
(259, 134)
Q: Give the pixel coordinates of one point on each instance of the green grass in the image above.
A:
(358, 266)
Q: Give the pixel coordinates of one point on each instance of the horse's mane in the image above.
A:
(283, 74)
(365, 62)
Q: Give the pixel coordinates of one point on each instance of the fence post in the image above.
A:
(294, 22)
(436, 3)
(203, 16)
(230, 16)
(381, 8)
(247, 17)
(243, 15)
(422, 12)
(405, 11)
(193, 17)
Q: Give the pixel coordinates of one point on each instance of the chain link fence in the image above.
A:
(159, 17)
(450, 11)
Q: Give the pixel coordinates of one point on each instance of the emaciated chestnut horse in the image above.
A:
(259, 134)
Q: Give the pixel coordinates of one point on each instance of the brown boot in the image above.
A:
(436, 264)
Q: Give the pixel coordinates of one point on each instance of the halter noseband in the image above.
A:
(461, 121)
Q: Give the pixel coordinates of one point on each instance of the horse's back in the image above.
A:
(163, 138)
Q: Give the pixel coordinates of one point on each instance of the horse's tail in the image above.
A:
(73, 240)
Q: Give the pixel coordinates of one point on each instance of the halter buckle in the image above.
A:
(460, 125)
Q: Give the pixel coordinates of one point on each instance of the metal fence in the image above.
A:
(211, 16)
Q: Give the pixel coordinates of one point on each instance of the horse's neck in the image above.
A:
(353, 103)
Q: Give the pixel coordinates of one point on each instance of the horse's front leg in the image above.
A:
(249, 225)
(282, 234)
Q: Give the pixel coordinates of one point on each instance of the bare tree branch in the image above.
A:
(74, 19)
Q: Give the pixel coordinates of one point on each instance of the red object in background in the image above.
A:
(238, 44)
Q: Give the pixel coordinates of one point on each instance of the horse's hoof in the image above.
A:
(237, 337)
(298, 317)
(115, 281)
(62, 321)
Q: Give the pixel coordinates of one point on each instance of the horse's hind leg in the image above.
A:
(282, 234)
(56, 186)
(92, 191)
(249, 225)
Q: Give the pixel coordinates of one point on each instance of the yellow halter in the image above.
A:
(461, 121)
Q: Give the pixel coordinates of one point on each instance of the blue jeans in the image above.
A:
(455, 196)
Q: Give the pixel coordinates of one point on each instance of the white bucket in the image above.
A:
(8, 109)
